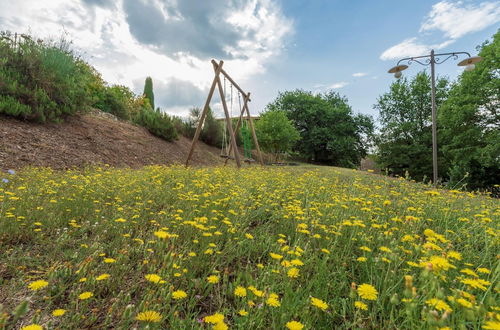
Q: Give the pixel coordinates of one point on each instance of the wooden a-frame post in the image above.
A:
(246, 98)
(216, 83)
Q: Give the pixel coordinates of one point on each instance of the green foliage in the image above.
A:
(212, 130)
(156, 122)
(405, 141)
(41, 80)
(471, 123)
(330, 132)
(116, 99)
(148, 91)
(276, 133)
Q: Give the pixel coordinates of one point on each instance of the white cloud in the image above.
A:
(453, 20)
(107, 36)
(359, 74)
(338, 85)
(411, 47)
(456, 19)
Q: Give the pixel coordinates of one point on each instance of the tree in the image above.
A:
(405, 141)
(471, 122)
(330, 132)
(211, 132)
(276, 132)
(148, 91)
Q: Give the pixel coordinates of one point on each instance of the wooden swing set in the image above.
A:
(227, 148)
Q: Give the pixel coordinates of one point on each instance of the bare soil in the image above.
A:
(92, 139)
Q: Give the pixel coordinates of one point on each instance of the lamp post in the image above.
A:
(432, 60)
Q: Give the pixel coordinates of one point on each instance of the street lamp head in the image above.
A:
(470, 62)
(397, 70)
(470, 67)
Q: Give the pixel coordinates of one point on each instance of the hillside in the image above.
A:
(96, 138)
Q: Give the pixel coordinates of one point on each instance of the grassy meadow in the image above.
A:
(273, 248)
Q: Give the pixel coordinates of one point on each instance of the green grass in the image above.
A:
(185, 225)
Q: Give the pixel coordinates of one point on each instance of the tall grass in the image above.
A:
(249, 248)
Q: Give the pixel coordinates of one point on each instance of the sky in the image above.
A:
(268, 46)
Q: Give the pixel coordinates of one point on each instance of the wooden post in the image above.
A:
(204, 112)
(228, 118)
(238, 124)
(250, 122)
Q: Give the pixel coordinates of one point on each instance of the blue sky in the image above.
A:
(268, 45)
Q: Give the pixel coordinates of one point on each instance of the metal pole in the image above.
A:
(434, 122)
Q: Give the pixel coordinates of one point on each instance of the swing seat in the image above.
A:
(226, 156)
(249, 160)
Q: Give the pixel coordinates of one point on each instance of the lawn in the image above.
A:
(272, 248)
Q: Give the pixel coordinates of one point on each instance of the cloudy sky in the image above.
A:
(267, 45)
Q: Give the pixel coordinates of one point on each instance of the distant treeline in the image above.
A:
(468, 125)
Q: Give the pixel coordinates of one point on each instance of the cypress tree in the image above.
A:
(148, 91)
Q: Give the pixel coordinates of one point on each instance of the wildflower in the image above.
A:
(367, 291)
(297, 262)
(439, 305)
(325, 251)
(360, 305)
(385, 249)
(243, 312)
(294, 325)
(273, 302)
(220, 326)
(275, 256)
(83, 279)
(32, 327)
(484, 270)
(85, 295)
(249, 236)
(153, 278)
(361, 259)
(293, 272)
(179, 294)
(465, 303)
(476, 283)
(149, 316)
(455, 255)
(109, 260)
(240, 291)
(102, 277)
(214, 319)
(492, 325)
(213, 279)
(58, 312)
(319, 303)
(37, 285)
(365, 248)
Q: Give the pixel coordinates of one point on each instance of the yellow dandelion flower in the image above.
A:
(243, 312)
(220, 326)
(32, 327)
(249, 236)
(149, 316)
(85, 295)
(153, 278)
(109, 260)
(492, 325)
(484, 270)
(293, 272)
(102, 277)
(214, 319)
(438, 304)
(465, 303)
(319, 303)
(276, 256)
(367, 291)
(325, 251)
(213, 279)
(294, 325)
(360, 305)
(179, 294)
(37, 285)
(361, 259)
(240, 291)
(58, 312)
(273, 301)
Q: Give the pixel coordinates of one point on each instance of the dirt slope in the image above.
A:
(96, 138)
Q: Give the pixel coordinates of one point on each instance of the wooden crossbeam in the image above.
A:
(218, 70)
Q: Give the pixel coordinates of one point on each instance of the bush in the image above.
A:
(41, 80)
(156, 122)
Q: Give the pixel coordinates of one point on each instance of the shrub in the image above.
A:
(41, 80)
(156, 122)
